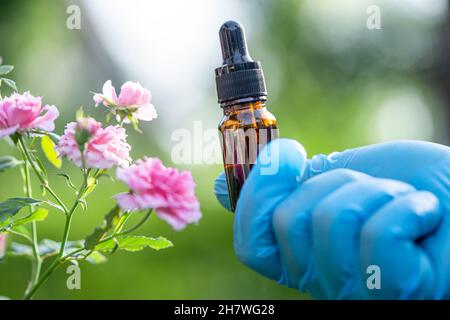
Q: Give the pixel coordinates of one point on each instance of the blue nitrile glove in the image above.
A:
(317, 225)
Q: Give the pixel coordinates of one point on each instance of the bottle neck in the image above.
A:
(243, 105)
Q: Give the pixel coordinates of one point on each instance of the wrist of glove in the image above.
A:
(371, 222)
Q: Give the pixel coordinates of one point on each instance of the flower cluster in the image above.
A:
(89, 145)
(22, 112)
(170, 192)
(133, 102)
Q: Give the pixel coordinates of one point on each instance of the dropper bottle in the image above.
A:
(247, 125)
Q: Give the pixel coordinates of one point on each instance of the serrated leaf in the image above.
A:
(10, 83)
(9, 162)
(48, 147)
(109, 222)
(5, 69)
(134, 243)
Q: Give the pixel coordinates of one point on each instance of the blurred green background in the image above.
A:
(333, 84)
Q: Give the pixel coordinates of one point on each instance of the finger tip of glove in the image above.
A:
(221, 190)
(282, 156)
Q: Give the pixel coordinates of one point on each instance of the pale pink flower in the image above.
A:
(170, 192)
(133, 98)
(103, 147)
(23, 112)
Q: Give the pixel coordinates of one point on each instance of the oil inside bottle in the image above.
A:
(245, 130)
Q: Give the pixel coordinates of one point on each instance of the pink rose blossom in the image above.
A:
(170, 192)
(104, 148)
(133, 97)
(21, 113)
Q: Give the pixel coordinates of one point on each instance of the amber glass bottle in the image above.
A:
(247, 125)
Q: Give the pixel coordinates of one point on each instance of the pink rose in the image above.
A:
(169, 192)
(132, 98)
(21, 113)
(103, 147)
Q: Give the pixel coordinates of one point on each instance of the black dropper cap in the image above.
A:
(239, 77)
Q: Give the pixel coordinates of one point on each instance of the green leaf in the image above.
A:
(109, 222)
(48, 147)
(12, 206)
(5, 69)
(39, 215)
(10, 83)
(8, 162)
(96, 258)
(22, 230)
(134, 243)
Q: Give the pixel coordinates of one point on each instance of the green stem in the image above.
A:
(56, 263)
(37, 261)
(39, 175)
(138, 225)
(69, 216)
(61, 257)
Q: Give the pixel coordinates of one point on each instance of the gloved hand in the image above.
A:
(317, 225)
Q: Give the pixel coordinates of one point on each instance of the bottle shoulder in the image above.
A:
(248, 117)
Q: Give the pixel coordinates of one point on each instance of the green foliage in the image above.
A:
(10, 207)
(10, 83)
(9, 162)
(4, 70)
(133, 243)
(38, 215)
(96, 258)
(48, 147)
(110, 221)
